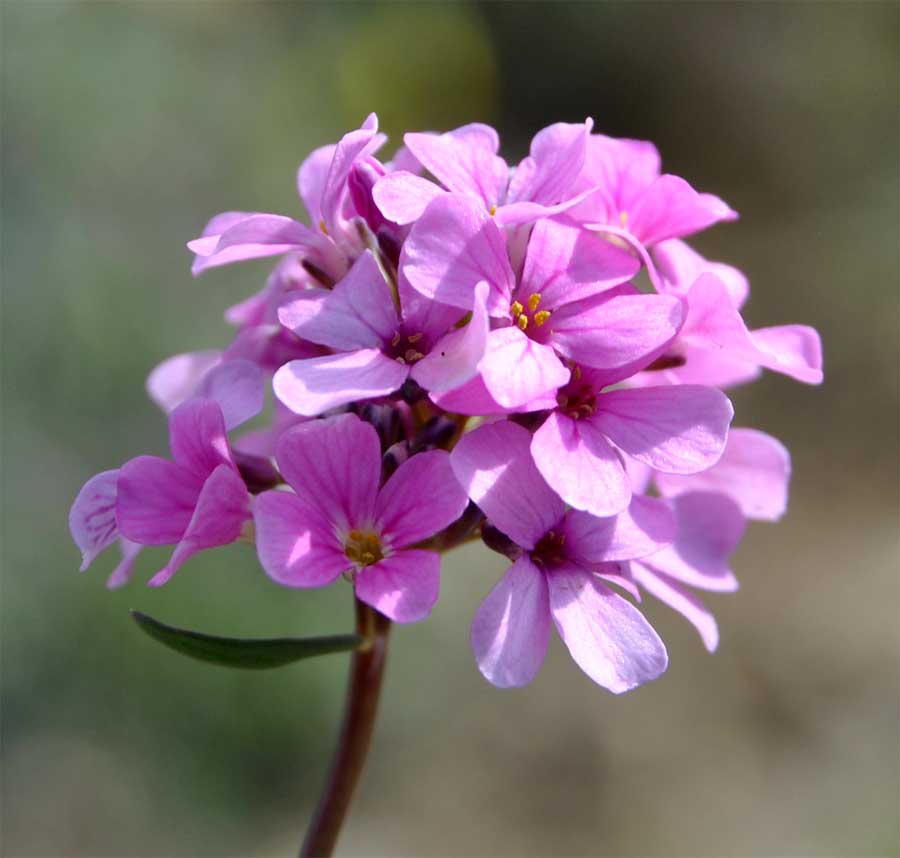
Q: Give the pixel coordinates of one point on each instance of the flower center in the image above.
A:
(522, 317)
(363, 547)
(550, 549)
(405, 348)
(577, 399)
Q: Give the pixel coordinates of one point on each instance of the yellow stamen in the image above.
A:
(516, 308)
(623, 219)
(363, 548)
(522, 322)
(541, 316)
(533, 300)
(323, 227)
(492, 210)
(395, 340)
(414, 338)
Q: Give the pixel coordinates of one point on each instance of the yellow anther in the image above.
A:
(533, 300)
(516, 308)
(355, 535)
(492, 210)
(395, 340)
(363, 548)
(414, 338)
(522, 321)
(411, 356)
(576, 372)
(623, 219)
(323, 227)
(541, 316)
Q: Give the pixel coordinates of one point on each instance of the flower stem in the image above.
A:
(366, 673)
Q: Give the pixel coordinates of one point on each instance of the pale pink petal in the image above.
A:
(197, 436)
(464, 161)
(254, 237)
(454, 246)
(238, 388)
(754, 471)
(645, 527)
(120, 576)
(421, 497)
(793, 350)
(156, 499)
(315, 385)
(677, 430)
(401, 197)
(671, 208)
(701, 366)
(222, 508)
(566, 263)
(622, 331)
(516, 369)
(296, 545)
(92, 518)
(493, 464)
(311, 177)
(334, 465)
(580, 465)
(177, 377)
(357, 314)
(557, 154)
(455, 357)
(678, 598)
(710, 527)
(511, 627)
(623, 168)
(209, 238)
(680, 265)
(608, 637)
(403, 586)
(473, 398)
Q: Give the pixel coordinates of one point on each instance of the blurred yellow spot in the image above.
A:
(363, 547)
(533, 300)
(623, 219)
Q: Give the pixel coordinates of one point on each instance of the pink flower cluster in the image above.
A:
(461, 349)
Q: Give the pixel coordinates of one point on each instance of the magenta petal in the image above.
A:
(238, 388)
(511, 627)
(566, 263)
(175, 379)
(92, 518)
(222, 508)
(454, 358)
(516, 369)
(494, 466)
(677, 597)
(671, 208)
(402, 197)
(606, 635)
(710, 527)
(156, 499)
(357, 314)
(403, 586)
(335, 466)
(678, 430)
(454, 246)
(421, 497)
(197, 436)
(754, 471)
(620, 332)
(580, 465)
(464, 161)
(297, 546)
(314, 385)
(647, 526)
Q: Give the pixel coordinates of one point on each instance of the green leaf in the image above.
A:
(252, 653)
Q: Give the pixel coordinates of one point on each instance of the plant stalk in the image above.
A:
(366, 674)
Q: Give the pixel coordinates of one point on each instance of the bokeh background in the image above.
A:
(127, 124)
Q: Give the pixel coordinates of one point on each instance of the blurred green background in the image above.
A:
(127, 124)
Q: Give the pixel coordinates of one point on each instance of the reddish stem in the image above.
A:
(366, 673)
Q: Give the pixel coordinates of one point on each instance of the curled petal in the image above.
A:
(92, 518)
(178, 377)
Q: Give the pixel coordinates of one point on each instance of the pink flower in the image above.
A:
(561, 560)
(340, 520)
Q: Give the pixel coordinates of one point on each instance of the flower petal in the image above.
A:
(120, 576)
(197, 436)
(314, 385)
(516, 369)
(678, 430)
(334, 465)
(557, 154)
(451, 248)
(608, 637)
(92, 518)
(237, 386)
(175, 379)
(311, 177)
(680, 265)
(402, 197)
(296, 544)
(421, 497)
(678, 598)
(511, 627)
(580, 465)
(221, 510)
(403, 587)
(494, 466)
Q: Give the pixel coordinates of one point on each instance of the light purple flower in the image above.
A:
(340, 520)
(557, 577)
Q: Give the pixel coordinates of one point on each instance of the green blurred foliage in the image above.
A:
(126, 125)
